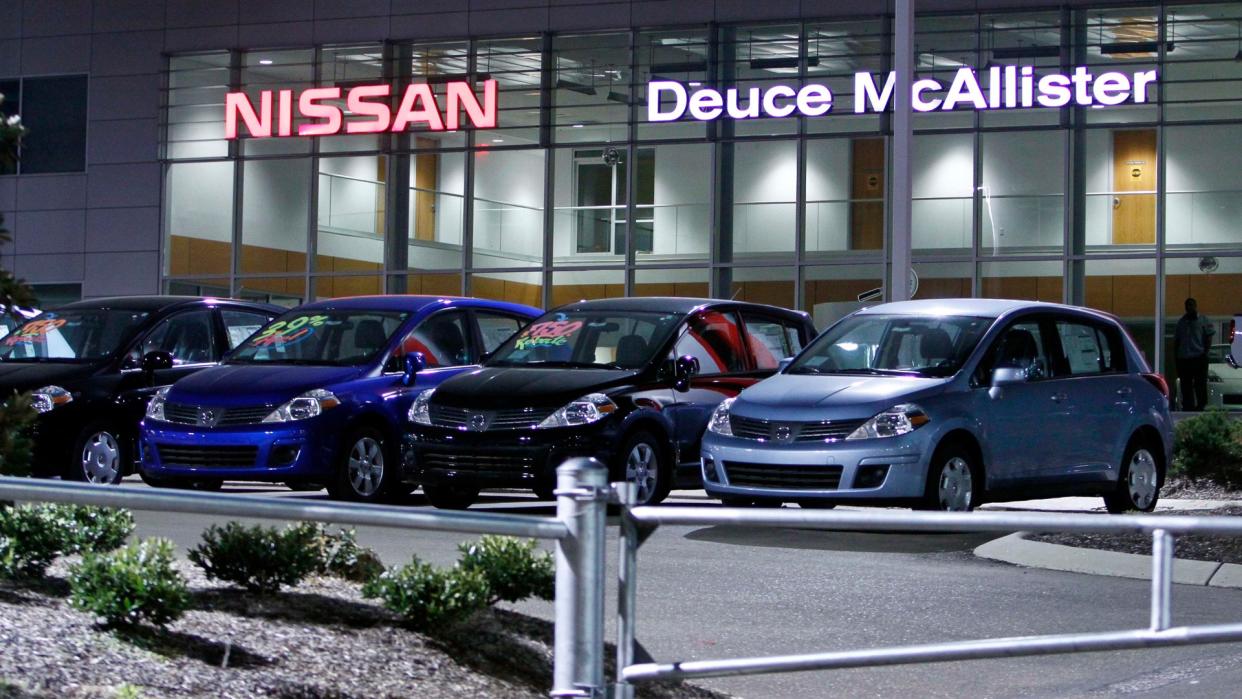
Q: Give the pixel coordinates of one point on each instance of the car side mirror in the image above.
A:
(414, 363)
(1005, 376)
(156, 360)
(784, 364)
(685, 367)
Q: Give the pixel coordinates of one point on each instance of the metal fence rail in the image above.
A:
(638, 523)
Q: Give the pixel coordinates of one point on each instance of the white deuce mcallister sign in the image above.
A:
(1008, 87)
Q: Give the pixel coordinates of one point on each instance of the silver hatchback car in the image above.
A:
(943, 404)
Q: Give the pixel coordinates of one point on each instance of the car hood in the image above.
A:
(522, 387)
(249, 384)
(26, 376)
(802, 397)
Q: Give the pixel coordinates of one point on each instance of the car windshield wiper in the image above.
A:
(570, 365)
(874, 372)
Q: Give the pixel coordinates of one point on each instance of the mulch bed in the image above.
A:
(320, 640)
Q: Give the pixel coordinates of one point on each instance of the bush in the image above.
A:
(430, 599)
(31, 537)
(17, 420)
(261, 559)
(514, 570)
(339, 555)
(85, 528)
(137, 583)
(1208, 446)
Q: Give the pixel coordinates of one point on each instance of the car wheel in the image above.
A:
(643, 465)
(98, 456)
(953, 482)
(450, 497)
(1138, 484)
(363, 474)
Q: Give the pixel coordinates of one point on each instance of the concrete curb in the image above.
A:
(1037, 554)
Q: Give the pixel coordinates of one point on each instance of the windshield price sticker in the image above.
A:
(34, 331)
(553, 333)
(284, 333)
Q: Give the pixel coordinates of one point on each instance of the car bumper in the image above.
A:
(501, 458)
(269, 452)
(890, 469)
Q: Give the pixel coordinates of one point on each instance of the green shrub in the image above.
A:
(17, 420)
(85, 528)
(261, 559)
(340, 555)
(513, 568)
(430, 599)
(31, 537)
(1208, 447)
(135, 584)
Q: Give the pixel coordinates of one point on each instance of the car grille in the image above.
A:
(783, 476)
(769, 430)
(476, 462)
(488, 420)
(207, 457)
(185, 414)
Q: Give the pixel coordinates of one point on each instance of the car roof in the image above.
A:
(671, 304)
(414, 303)
(159, 303)
(984, 308)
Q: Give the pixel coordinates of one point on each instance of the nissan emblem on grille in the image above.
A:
(208, 417)
(782, 433)
(477, 422)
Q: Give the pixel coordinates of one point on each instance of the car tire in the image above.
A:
(641, 461)
(99, 455)
(954, 480)
(364, 470)
(297, 487)
(1138, 481)
(450, 497)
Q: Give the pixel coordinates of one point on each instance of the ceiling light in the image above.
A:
(265, 61)
(498, 140)
(577, 126)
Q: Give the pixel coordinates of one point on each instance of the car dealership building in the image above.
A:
(548, 150)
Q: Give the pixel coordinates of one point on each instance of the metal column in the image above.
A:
(903, 63)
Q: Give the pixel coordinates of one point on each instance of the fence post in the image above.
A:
(578, 646)
(627, 571)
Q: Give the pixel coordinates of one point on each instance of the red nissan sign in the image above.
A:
(418, 106)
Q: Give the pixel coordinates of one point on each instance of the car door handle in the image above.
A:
(1124, 391)
(1059, 397)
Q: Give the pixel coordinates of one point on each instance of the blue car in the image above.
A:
(317, 397)
(945, 404)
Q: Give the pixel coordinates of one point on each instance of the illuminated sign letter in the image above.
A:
(1054, 90)
(1111, 88)
(865, 96)
(917, 90)
(237, 103)
(461, 96)
(654, 88)
(308, 105)
(965, 88)
(814, 100)
(770, 97)
(428, 113)
(377, 110)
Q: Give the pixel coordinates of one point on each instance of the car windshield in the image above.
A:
(588, 339)
(320, 337)
(872, 344)
(71, 336)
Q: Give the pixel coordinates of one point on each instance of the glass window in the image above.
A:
(437, 204)
(1023, 206)
(1125, 40)
(1080, 343)
(495, 328)
(55, 111)
(443, 339)
(673, 213)
(592, 90)
(338, 285)
(575, 285)
(53, 295)
(275, 196)
(941, 280)
(242, 324)
(588, 339)
(770, 341)
(195, 100)
(276, 70)
(189, 337)
(1203, 203)
(765, 176)
(845, 181)
(1021, 39)
(71, 335)
(1202, 76)
(519, 287)
(691, 282)
(942, 211)
(1022, 346)
(508, 208)
(835, 51)
(281, 291)
(199, 219)
(714, 339)
(1215, 283)
(1120, 183)
(831, 293)
(771, 285)
(1124, 288)
(755, 60)
(590, 215)
(1029, 281)
(352, 214)
(516, 65)
(678, 56)
(437, 65)
(323, 337)
(10, 106)
(346, 67)
(944, 43)
(883, 344)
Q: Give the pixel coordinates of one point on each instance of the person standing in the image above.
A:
(1191, 341)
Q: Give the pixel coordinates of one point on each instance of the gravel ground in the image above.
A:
(320, 640)
(1199, 548)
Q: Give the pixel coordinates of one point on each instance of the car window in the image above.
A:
(321, 336)
(715, 340)
(588, 338)
(242, 324)
(770, 341)
(495, 329)
(1021, 346)
(442, 338)
(189, 337)
(1081, 347)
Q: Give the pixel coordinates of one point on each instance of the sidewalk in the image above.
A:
(1036, 554)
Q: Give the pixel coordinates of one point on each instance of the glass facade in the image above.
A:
(577, 194)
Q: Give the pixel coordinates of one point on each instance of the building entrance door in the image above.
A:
(1134, 187)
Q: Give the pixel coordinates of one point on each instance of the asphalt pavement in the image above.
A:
(717, 592)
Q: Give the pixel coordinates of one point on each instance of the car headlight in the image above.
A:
(720, 418)
(420, 410)
(304, 407)
(896, 421)
(592, 407)
(49, 398)
(155, 409)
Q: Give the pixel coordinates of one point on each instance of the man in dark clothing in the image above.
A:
(1191, 341)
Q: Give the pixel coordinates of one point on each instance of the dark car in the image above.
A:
(629, 381)
(318, 397)
(93, 365)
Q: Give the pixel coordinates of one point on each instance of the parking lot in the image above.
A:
(712, 592)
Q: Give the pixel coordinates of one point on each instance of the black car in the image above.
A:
(629, 381)
(93, 365)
